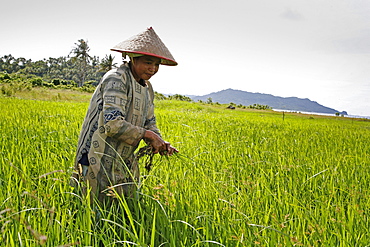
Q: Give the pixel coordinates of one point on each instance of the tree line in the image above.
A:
(77, 68)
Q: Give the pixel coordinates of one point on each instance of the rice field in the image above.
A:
(242, 178)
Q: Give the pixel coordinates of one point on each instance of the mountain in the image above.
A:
(246, 98)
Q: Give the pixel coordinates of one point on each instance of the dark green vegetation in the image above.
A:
(31, 86)
(76, 69)
(243, 178)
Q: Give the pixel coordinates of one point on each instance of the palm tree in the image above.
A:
(107, 64)
(81, 56)
(7, 64)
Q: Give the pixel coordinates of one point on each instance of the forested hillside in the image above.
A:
(275, 102)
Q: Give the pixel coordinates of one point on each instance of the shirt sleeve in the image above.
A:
(151, 123)
(114, 111)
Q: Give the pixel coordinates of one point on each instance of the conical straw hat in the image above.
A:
(146, 43)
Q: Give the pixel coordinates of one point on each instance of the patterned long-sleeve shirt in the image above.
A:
(120, 111)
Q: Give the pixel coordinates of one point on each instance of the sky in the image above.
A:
(312, 49)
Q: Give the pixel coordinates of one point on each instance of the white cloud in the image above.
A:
(292, 15)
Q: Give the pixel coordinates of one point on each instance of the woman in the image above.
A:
(120, 115)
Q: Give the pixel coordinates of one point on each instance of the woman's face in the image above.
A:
(145, 67)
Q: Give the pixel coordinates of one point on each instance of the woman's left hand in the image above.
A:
(169, 150)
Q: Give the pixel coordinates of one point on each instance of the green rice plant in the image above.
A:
(242, 178)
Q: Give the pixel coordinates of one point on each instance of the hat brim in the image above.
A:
(164, 60)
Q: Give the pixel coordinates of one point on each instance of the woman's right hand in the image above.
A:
(158, 144)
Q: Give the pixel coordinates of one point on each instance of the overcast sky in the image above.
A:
(305, 48)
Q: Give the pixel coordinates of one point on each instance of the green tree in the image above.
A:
(107, 64)
(180, 97)
(159, 96)
(82, 58)
(7, 63)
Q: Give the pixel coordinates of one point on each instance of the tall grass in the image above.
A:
(241, 179)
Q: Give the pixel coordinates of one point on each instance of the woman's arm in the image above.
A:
(114, 111)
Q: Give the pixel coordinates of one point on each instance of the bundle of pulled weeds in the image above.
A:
(147, 154)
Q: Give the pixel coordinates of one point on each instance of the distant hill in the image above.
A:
(246, 98)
